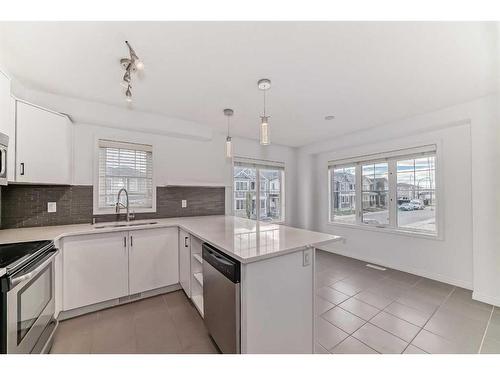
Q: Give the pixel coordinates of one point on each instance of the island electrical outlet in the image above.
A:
(306, 258)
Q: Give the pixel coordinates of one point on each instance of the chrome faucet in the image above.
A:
(119, 204)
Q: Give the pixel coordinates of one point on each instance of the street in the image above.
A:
(418, 219)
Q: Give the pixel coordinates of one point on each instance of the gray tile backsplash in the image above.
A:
(26, 205)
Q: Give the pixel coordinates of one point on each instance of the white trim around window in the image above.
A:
(255, 189)
(394, 198)
(136, 155)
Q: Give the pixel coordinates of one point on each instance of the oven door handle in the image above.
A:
(29, 275)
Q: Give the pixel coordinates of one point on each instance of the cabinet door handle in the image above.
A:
(125, 241)
(131, 240)
(22, 169)
(185, 241)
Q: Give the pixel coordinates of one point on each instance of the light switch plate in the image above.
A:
(51, 207)
(184, 203)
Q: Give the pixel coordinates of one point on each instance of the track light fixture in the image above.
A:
(131, 65)
(128, 94)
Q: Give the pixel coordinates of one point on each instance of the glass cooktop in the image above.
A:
(10, 253)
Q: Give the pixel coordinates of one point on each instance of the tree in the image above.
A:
(249, 204)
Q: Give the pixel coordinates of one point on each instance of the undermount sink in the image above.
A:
(124, 225)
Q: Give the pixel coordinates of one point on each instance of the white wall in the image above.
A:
(184, 152)
(468, 255)
(89, 112)
(183, 161)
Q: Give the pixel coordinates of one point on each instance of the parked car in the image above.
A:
(417, 204)
(406, 207)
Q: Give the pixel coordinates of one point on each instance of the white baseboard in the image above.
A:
(68, 314)
(495, 301)
(419, 272)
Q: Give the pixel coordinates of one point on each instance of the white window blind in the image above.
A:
(125, 165)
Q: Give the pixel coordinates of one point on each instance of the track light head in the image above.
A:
(128, 94)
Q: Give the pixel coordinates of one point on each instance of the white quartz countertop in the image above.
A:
(243, 239)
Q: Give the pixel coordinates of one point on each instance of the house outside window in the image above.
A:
(269, 177)
(395, 190)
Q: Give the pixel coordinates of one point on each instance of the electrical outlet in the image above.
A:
(51, 207)
(306, 257)
(184, 203)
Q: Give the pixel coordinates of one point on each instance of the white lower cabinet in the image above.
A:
(153, 259)
(185, 261)
(105, 266)
(95, 269)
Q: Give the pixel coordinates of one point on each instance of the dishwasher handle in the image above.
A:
(217, 258)
(226, 265)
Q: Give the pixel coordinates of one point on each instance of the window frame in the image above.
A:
(258, 165)
(111, 210)
(391, 158)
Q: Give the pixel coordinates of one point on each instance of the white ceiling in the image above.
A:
(364, 73)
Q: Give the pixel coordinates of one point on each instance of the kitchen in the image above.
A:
(170, 198)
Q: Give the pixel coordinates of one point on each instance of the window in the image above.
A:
(241, 185)
(393, 190)
(375, 192)
(125, 165)
(269, 177)
(343, 200)
(239, 204)
(416, 193)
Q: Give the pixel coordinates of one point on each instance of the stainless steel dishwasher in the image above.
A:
(221, 298)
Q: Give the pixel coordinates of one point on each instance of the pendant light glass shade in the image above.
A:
(228, 112)
(264, 84)
(229, 148)
(264, 131)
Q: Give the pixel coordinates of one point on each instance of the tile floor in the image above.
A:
(359, 310)
(364, 310)
(163, 324)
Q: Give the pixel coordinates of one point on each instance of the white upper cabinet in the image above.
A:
(6, 125)
(7, 122)
(153, 259)
(43, 146)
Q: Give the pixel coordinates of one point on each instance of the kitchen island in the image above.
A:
(277, 271)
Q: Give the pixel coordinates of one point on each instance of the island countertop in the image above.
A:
(243, 239)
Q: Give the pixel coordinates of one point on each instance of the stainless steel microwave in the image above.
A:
(4, 143)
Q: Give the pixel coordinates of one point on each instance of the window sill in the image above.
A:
(280, 222)
(388, 230)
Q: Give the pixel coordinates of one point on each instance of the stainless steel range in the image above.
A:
(27, 302)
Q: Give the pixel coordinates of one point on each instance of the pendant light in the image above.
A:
(229, 145)
(264, 85)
